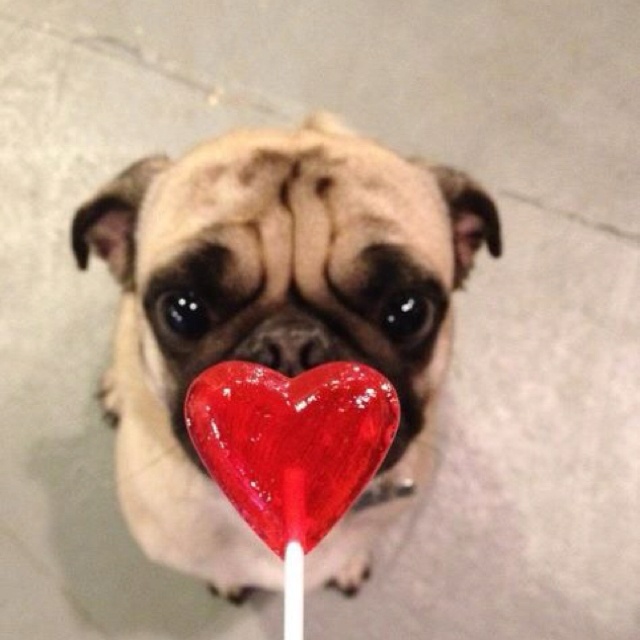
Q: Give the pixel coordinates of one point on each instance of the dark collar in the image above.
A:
(383, 490)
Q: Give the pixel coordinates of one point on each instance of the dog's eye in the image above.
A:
(406, 315)
(185, 314)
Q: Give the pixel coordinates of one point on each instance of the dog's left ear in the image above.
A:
(474, 218)
(473, 213)
(106, 223)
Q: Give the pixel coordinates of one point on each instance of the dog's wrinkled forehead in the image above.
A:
(294, 198)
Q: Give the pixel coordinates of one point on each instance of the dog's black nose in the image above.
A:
(289, 342)
(291, 354)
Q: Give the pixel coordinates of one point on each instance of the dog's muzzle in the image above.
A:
(291, 342)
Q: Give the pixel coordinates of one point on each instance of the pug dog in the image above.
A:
(288, 248)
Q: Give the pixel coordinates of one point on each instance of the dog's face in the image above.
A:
(291, 249)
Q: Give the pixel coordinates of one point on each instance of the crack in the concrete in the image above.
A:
(116, 48)
(113, 47)
(609, 229)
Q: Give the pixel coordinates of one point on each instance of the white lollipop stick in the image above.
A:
(294, 512)
(293, 591)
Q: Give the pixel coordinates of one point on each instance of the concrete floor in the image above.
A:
(532, 528)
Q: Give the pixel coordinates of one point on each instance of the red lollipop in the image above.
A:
(292, 455)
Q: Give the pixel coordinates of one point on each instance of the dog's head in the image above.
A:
(291, 249)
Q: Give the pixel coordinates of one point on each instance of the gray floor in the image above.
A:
(532, 529)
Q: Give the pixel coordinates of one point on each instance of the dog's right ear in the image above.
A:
(106, 224)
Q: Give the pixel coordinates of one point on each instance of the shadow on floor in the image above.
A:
(109, 583)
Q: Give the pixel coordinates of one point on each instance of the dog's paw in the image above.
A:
(352, 576)
(109, 400)
(235, 595)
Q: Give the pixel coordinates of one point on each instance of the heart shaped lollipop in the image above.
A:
(291, 455)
